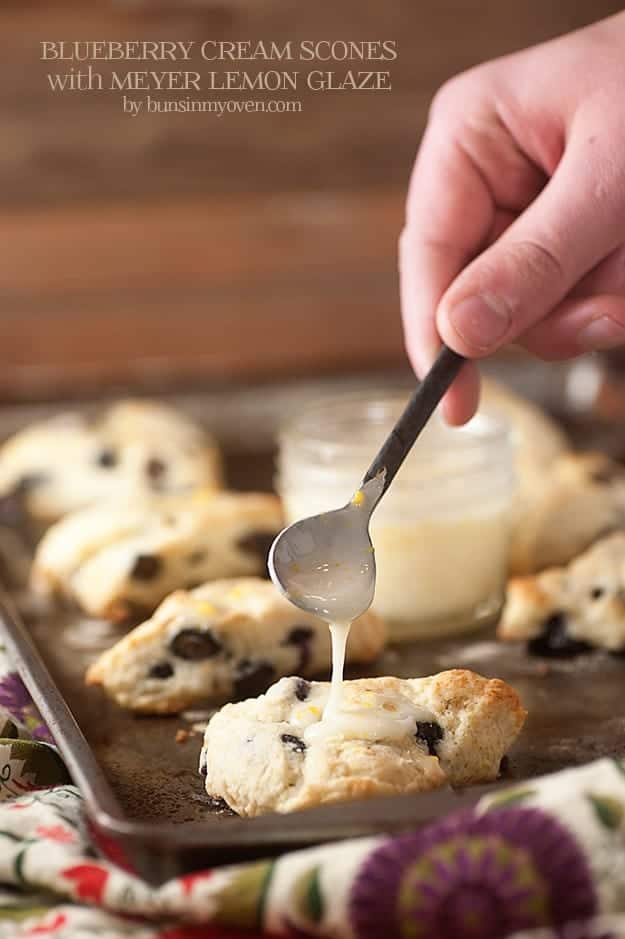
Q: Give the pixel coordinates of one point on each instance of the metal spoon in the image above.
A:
(325, 564)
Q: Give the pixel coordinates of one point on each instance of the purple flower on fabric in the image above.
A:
(14, 695)
(473, 876)
(15, 699)
(39, 731)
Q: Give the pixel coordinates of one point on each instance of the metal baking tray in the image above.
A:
(143, 793)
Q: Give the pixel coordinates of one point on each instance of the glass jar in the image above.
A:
(441, 533)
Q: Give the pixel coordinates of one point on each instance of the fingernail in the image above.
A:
(481, 321)
(602, 333)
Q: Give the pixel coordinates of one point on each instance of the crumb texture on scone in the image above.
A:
(226, 639)
(71, 461)
(114, 560)
(259, 755)
(567, 610)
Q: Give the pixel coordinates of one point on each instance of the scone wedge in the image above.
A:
(118, 561)
(131, 448)
(227, 639)
(579, 498)
(261, 756)
(568, 610)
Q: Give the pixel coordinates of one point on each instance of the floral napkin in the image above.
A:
(540, 861)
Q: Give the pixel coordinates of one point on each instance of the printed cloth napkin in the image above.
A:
(540, 861)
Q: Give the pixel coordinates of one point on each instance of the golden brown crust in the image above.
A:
(529, 602)
(587, 596)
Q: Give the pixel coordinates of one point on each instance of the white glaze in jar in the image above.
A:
(441, 533)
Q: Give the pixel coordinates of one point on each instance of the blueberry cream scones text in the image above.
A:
(274, 754)
(119, 560)
(565, 611)
(227, 639)
(133, 447)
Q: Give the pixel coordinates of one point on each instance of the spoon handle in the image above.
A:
(416, 414)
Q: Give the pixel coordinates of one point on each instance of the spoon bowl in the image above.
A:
(325, 564)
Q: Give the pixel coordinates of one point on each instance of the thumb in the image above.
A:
(574, 222)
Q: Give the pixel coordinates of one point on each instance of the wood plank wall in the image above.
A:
(186, 247)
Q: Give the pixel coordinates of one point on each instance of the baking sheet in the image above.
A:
(142, 787)
(139, 774)
(573, 715)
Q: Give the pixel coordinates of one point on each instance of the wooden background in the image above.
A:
(187, 248)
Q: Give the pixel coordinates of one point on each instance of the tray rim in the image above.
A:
(159, 850)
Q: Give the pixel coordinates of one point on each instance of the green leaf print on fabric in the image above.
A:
(241, 902)
(18, 863)
(608, 810)
(308, 896)
(17, 914)
(507, 798)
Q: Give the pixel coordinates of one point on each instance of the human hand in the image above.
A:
(515, 220)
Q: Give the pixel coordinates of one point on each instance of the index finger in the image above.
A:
(450, 212)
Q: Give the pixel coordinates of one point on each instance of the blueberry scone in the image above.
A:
(567, 610)
(539, 440)
(566, 500)
(274, 754)
(579, 499)
(70, 461)
(227, 639)
(118, 561)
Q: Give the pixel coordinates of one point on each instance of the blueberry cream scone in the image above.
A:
(565, 500)
(119, 560)
(133, 447)
(564, 509)
(392, 736)
(227, 639)
(565, 611)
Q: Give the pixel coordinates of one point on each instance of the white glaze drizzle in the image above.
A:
(347, 592)
(364, 715)
(339, 633)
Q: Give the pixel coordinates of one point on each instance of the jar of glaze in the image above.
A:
(441, 533)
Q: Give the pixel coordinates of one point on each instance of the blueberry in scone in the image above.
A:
(115, 560)
(566, 611)
(70, 461)
(267, 754)
(227, 639)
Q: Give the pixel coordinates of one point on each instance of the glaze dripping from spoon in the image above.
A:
(325, 564)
